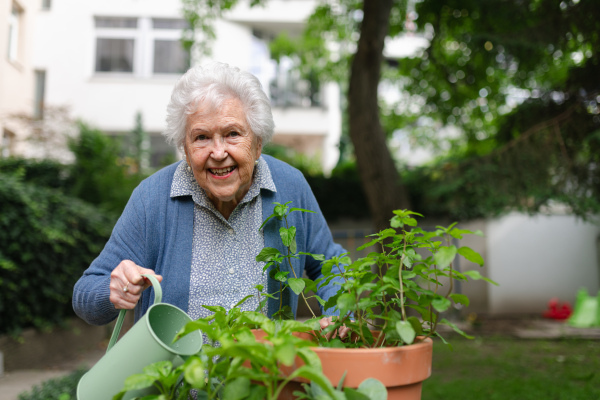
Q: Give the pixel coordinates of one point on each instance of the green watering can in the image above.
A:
(148, 341)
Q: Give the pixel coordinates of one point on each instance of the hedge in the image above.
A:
(47, 240)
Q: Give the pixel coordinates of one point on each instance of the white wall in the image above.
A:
(536, 258)
(65, 47)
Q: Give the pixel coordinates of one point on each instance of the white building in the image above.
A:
(106, 61)
(17, 90)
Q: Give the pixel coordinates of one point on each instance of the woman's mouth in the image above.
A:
(221, 171)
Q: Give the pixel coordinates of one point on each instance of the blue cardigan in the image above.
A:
(155, 231)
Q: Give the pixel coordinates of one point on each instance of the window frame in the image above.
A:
(144, 36)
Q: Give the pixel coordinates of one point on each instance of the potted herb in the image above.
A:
(390, 301)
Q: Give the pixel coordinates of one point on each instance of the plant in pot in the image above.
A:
(237, 364)
(391, 302)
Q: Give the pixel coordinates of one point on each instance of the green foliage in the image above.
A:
(63, 388)
(46, 173)
(409, 270)
(235, 363)
(47, 239)
(98, 176)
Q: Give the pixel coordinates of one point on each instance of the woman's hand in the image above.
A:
(342, 330)
(127, 284)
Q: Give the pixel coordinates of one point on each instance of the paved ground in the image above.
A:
(16, 382)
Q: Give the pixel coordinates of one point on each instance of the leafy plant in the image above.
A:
(46, 241)
(281, 264)
(401, 289)
(235, 364)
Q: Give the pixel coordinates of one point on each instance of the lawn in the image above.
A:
(514, 369)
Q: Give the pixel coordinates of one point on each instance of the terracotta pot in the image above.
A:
(401, 369)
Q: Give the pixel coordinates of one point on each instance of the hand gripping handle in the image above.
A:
(121, 317)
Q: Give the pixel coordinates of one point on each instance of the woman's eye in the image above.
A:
(234, 134)
(201, 137)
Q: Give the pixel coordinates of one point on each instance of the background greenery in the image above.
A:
(55, 220)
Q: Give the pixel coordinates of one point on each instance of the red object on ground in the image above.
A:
(557, 310)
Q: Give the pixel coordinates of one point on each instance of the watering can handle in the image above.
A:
(121, 317)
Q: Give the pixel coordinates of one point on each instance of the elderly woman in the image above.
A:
(195, 224)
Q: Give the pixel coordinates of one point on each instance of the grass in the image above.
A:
(512, 369)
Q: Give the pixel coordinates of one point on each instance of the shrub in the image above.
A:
(46, 173)
(99, 176)
(47, 240)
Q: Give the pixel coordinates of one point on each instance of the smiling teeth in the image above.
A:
(221, 171)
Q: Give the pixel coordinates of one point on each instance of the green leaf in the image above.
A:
(354, 394)
(288, 235)
(237, 389)
(301, 209)
(445, 255)
(158, 369)
(317, 257)
(373, 388)
(416, 324)
(475, 275)
(268, 254)
(194, 373)
(460, 299)
(345, 302)
(286, 353)
(406, 331)
(138, 381)
(441, 304)
(296, 284)
(471, 255)
(456, 328)
(281, 276)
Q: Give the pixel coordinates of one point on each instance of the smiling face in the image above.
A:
(221, 150)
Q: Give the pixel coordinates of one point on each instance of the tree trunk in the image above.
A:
(378, 174)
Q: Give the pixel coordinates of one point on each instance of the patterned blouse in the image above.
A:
(224, 269)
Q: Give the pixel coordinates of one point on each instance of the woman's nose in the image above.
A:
(219, 150)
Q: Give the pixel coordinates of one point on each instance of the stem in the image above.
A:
(402, 308)
(295, 276)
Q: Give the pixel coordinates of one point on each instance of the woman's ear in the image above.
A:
(258, 147)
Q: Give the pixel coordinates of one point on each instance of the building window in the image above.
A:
(14, 20)
(140, 46)
(114, 55)
(170, 57)
(40, 89)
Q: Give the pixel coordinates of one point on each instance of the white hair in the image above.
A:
(212, 84)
